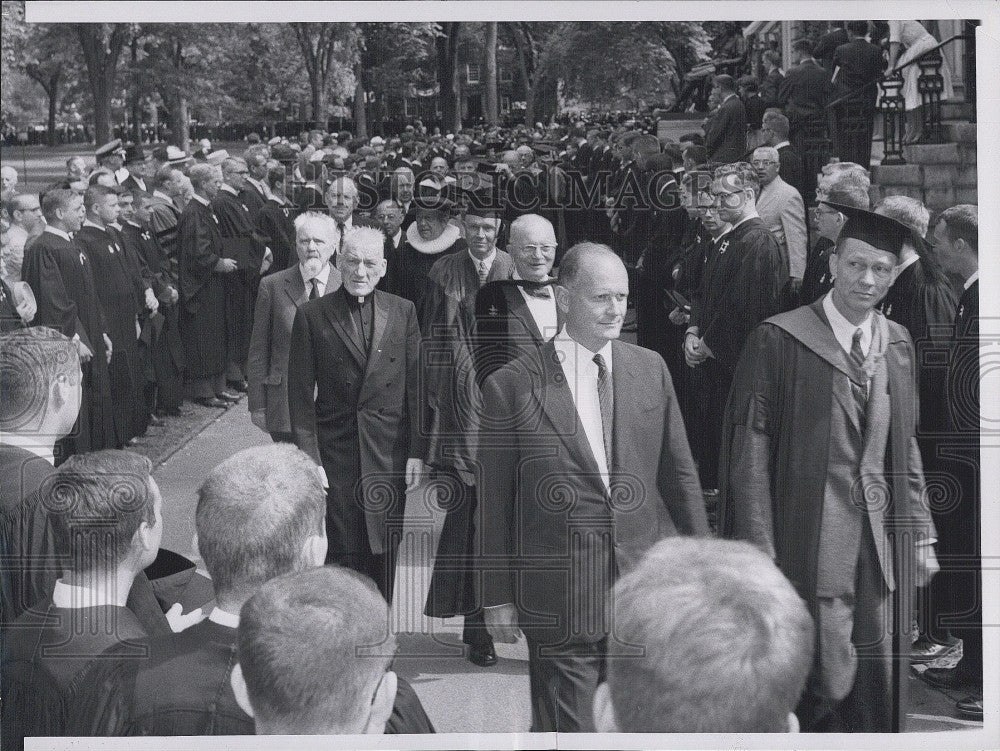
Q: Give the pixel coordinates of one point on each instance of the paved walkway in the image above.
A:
(458, 696)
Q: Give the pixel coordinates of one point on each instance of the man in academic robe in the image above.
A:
(821, 470)
(958, 589)
(183, 686)
(827, 223)
(140, 168)
(203, 270)
(741, 285)
(276, 222)
(51, 648)
(726, 131)
(62, 280)
(254, 258)
(122, 296)
(279, 297)
(353, 370)
(255, 192)
(583, 465)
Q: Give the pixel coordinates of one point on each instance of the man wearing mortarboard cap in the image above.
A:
(821, 469)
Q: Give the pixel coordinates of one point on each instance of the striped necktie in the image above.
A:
(483, 272)
(606, 397)
(859, 391)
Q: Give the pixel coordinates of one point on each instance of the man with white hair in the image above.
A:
(8, 180)
(279, 297)
(355, 406)
(781, 208)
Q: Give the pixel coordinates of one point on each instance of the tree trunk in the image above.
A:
(491, 74)
(101, 57)
(522, 64)
(53, 91)
(180, 126)
(136, 95)
(447, 54)
(318, 100)
(360, 108)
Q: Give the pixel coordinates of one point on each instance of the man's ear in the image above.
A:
(562, 297)
(604, 712)
(240, 689)
(793, 722)
(382, 703)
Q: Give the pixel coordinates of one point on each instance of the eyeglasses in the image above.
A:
(543, 248)
(824, 211)
(762, 163)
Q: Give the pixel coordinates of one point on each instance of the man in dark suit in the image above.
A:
(804, 93)
(354, 405)
(959, 592)
(389, 217)
(254, 192)
(584, 465)
(279, 297)
(51, 648)
(772, 79)
(140, 168)
(276, 221)
(183, 686)
(791, 169)
(857, 69)
(726, 131)
(827, 44)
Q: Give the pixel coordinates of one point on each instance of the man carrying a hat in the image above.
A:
(820, 468)
(112, 156)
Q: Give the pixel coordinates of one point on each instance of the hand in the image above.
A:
(259, 418)
(268, 260)
(225, 265)
(178, 621)
(501, 622)
(679, 317)
(693, 355)
(138, 328)
(84, 350)
(107, 344)
(27, 309)
(174, 295)
(414, 473)
(927, 565)
(704, 349)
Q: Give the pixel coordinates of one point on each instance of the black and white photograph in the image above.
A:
(499, 375)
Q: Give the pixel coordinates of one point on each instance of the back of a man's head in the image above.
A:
(39, 382)
(314, 655)
(260, 514)
(725, 643)
(96, 503)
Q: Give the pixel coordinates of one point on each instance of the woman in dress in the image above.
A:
(912, 40)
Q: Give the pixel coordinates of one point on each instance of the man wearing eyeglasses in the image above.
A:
(781, 208)
(740, 288)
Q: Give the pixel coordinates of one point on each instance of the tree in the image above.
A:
(539, 47)
(446, 45)
(328, 51)
(394, 59)
(102, 45)
(490, 54)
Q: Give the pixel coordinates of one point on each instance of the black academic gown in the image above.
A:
(62, 279)
(817, 280)
(276, 223)
(202, 317)
(120, 291)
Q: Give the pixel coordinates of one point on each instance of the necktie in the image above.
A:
(341, 229)
(540, 291)
(606, 396)
(483, 273)
(859, 392)
(314, 288)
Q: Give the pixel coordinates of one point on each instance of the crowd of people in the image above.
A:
(446, 312)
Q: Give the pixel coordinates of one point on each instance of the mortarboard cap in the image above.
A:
(881, 232)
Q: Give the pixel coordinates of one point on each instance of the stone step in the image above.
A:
(959, 132)
(940, 153)
(957, 110)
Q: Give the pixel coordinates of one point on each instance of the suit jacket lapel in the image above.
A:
(518, 308)
(381, 319)
(295, 288)
(339, 317)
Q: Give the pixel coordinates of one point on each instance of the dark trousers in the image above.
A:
(563, 680)
(710, 383)
(347, 538)
(206, 387)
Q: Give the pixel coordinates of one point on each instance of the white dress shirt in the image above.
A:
(321, 276)
(844, 329)
(581, 376)
(224, 618)
(70, 596)
(488, 261)
(543, 311)
(972, 279)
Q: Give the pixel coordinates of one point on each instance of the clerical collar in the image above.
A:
(972, 279)
(357, 299)
(229, 189)
(58, 232)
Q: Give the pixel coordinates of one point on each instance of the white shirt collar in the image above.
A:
(567, 346)
(229, 189)
(70, 596)
(972, 279)
(779, 145)
(28, 443)
(139, 181)
(488, 260)
(908, 262)
(121, 175)
(397, 238)
(321, 276)
(160, 194)
(57, 232)
(95, 225)
(754, 215)
(200, 199)
(224, 618)
(844, 329)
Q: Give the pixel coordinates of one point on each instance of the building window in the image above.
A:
(505, 104)
(472, 73)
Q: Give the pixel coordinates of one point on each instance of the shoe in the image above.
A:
(952, 678)
(211, 401)
(228, 396)
(927, 650)
(240, 386)
(483, 655)
(971, 707)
